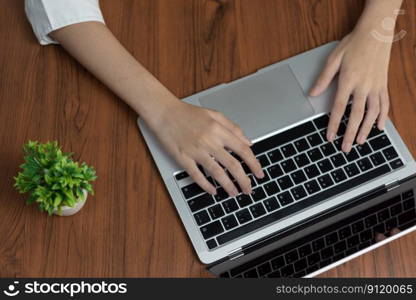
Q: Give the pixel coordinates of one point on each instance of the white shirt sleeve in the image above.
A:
(49, 15)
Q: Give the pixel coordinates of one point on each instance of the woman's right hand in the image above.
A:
(195, 135)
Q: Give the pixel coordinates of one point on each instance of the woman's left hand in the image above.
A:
(362, 63)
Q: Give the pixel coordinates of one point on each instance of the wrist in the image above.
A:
(379, 16)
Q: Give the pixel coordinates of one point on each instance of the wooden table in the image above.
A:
(130, 227)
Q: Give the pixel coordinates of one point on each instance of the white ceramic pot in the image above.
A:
(69, 211)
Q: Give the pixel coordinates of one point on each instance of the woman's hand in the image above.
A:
(362, 63)
(195, 135)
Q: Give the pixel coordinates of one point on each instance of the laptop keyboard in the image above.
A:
(332, 243)
(301, 169)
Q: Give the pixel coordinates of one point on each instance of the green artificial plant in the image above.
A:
(52, 178)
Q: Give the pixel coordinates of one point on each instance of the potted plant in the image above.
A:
(57, 183)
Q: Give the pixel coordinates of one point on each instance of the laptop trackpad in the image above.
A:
(262, 103)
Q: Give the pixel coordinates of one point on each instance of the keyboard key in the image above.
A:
(271, 188)
(407, 194)
(288, 150)
(211, 244)
(253, 183)
(288, 165)
(377, 159)
(344, 232)
(264, 269)
(366, 235)
(327, 253)
(353, 241)
(275, 171)
(291, 256)
(340, 246)
(338, 144)
(364, 164)
(380, 142)
(211, 229)
(265, 179)
(396, 209)
(243, 200)
(408, 204)
(313, 259)
(181, 175)
(341, 129)
(298, 177)
(285, 182)
(357, 227)
(353, 155)
(243, 216)
(338, 175)
(251, 274)
(277, 262)
(364, 149)
(216, 211)
(379, 229)
(257, 210)
(192, 190)
(221, 194)
(271, 204)
(300, 205)
(318, 244)
(325, 165)
(351, 170)
(312, 187)
(323, 134)
(229, 222)
(328, 149)
(315, 154)
(301, 145)
(200, 202)
(305, 250)
(338, 160)
(390, 153)
(301, 160)
(287, 271)
(298, 192)
(315, 139)
(321, 122)
(396, 164)
(275, 156)
(285, 198)
(312, 171)
(370, 221)
(258, 194)
(283, 138)
(325, 181)
(391, 224)
(374, 131)
(201, 217)
(230, 206)
(263, 160)
(331, 238)
(383, 215)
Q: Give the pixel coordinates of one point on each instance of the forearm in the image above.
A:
(96, 48)
(374, 15)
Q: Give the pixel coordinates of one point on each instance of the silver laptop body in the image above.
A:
(270, 101)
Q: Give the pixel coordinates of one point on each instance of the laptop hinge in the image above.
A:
(392, 185)
(236, 254)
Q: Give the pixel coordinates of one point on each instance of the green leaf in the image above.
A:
(51, 177)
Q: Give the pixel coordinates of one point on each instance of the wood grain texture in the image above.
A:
(130, 227)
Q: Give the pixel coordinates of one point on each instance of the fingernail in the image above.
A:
(260, 174)
(330, 136)
(361, 139)
(346, 147)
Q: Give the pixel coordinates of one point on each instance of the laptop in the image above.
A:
(317, 207)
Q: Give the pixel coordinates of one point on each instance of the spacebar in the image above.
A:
(302, 204)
